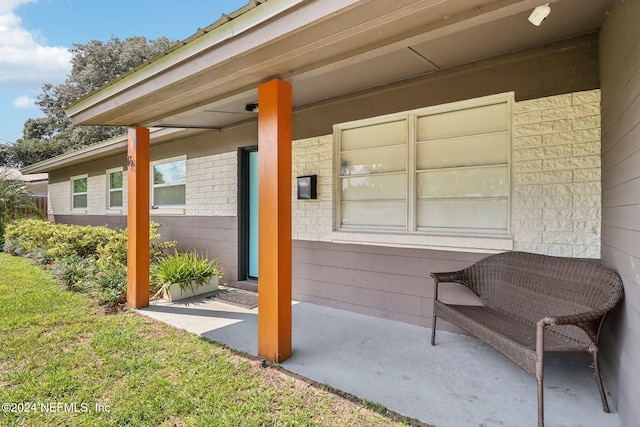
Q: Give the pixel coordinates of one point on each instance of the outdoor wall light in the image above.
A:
(252, 107)
(539, 14)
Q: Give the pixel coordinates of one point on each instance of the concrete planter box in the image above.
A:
(174, 292)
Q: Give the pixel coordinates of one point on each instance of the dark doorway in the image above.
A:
(248, 213)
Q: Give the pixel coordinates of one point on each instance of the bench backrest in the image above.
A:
(532, 286)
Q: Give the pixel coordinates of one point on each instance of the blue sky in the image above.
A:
(35, 36)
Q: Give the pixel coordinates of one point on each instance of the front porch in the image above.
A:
(459, 382)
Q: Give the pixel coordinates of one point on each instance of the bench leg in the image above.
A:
(540, 402)
(433, 331)
(603, 396)
(540, 371)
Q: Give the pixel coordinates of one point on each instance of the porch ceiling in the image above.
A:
(325, 49)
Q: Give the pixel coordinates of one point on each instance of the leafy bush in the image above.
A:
(14, 203)
(83, 258)
(71, 270)
(111, 284)
(28, 236)
(25, 236)
(115, 250)
(187, 269)
(33, 237)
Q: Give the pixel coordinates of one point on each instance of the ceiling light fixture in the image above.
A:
(252, 107)
(539, 14)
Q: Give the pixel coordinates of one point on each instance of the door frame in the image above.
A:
(243, 212)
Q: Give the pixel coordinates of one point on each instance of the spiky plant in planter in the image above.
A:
(185, 274)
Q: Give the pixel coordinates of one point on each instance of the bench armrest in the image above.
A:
(459, 276)
(589, 321)
(574, 319)
(452, 276)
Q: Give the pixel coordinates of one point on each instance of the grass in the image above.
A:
(128, 370)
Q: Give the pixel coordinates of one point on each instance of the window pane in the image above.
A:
(489, 118)
(115, 179)
(169, 196)
(170, 173)
(115, 199)
(80, 201)
(490, 149)
(384, 159)
(80, 185)
(486, 214)
(376, 187)
(379, 213)
(467, 182)
(374, 135)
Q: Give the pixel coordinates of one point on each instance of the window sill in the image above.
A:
(114, 212)
(166, 211)
(456, 243)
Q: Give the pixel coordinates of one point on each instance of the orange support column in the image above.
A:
(274, 264)
(138, 218)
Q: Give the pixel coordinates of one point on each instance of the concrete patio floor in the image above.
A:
(459, 382)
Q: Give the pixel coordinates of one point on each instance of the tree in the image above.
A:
(92, 65)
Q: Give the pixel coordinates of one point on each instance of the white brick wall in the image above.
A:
(556, 178)
(212, 185)
(60, 198)
(96, 195)
(313, 219)
(125, 193)
(556, 175)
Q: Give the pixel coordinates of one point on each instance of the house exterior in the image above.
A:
(437, 132)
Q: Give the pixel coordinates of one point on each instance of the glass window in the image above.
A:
(115, 184)
(440, 169)
(168, 182)
(373, 176)
(79, 192)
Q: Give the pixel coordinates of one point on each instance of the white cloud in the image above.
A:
(25, 62)
(24, 102)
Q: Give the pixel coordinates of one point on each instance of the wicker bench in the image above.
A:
(534, 304)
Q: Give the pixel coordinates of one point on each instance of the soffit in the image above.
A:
(328, 48)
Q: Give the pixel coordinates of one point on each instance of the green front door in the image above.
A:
(253, 214)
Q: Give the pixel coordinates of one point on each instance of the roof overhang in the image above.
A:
(325, 49)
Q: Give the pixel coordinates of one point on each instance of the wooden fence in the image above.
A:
(41, 203)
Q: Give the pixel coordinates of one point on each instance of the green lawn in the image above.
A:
(62, 363)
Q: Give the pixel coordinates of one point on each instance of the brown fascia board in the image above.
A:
(229, 27)
(96, 151)
(100, 149)
(180, 43)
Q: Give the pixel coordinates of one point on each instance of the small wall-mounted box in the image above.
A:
(307, 187)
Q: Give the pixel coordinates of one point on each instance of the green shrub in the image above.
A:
(14, 203)
(187, 269)
(83, 258)
(111, 284)
(47, 241)
(72, 270)
(115, 250)
(25, 236)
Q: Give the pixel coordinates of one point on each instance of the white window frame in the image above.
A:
(86, 193)
(412, 236)
(110, 190)
(166, 209)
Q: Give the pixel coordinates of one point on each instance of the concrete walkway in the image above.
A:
(457, 383)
